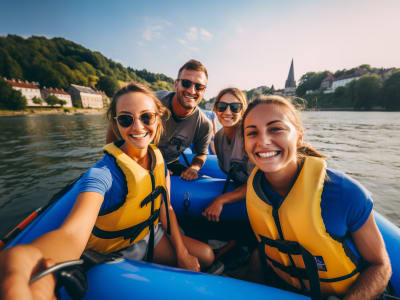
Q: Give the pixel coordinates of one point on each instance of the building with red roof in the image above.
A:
(29, 90)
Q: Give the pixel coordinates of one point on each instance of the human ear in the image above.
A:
(300, 142)
(176, 84)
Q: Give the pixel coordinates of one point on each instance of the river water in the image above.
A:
(40, 154)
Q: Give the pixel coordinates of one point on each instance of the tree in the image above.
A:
(108, 84)
(391, 91)
(368, 89)
(10, 98)
(62, 102)
(52, 100)
(37, 100)
(310, 81)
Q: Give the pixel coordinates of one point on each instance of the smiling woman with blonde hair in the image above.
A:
(122, 206)
(229, 106)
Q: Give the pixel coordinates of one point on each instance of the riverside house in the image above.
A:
(59, 93)
(28, 89)
(86, 96)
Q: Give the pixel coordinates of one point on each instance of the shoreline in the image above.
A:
(53, 111)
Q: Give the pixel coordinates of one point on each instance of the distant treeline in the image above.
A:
(58, 62)
(370, 91)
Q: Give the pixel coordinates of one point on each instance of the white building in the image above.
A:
(86, 96)
(28, 89)
(340, 81)
(59, 93)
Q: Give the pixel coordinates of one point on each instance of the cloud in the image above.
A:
(152, 32)
(205, 35)
(195, 34)
(192, 34)
(239, 29)
(182, 42)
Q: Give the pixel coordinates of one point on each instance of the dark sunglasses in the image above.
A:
(186, 83)
(234, 107)
(147, 118)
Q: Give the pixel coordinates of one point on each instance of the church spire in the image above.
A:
(290, 82)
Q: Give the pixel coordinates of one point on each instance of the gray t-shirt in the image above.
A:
(180, 133)
(232, 157)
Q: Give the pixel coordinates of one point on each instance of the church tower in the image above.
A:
(290, 84)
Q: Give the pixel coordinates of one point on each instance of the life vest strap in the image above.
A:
(127, 233)
(159, 190)
(293, 248)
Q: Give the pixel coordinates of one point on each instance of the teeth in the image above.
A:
(139, 135)
(227, 119)
(267, 154)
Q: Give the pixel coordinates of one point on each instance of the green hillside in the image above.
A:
(58, 62)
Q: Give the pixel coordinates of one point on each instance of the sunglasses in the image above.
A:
(234, 107)
(186, 83)
(147, 118)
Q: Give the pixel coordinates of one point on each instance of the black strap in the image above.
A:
(133, 232)
(185, 159)
(293, 248)
(228, 178)
(128, 233)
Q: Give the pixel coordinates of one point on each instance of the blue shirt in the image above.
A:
(210, 114)
(107, 179)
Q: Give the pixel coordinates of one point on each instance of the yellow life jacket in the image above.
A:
(293, 238)
(129, 223)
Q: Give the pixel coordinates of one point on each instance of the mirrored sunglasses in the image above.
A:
(234, 107)
(186, 83)
(147, 118)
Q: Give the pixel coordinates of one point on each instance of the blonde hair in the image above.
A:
(133, 87)
(305, 149)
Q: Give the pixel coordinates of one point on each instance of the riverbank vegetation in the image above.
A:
(58, 62)
(367, 92)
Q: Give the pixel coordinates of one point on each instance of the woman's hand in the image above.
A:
(188, 262)
(213, 211)
(17, 266)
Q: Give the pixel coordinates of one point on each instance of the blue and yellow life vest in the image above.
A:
(129, 223)
(293, 238)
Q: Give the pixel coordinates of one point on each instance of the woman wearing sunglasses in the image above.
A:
(229, 106)
(122, 199)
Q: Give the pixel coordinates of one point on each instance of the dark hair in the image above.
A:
(133, 87)
(193, 65)
(305, 149)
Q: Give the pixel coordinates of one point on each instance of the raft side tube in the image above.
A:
(190, 198)
(48, 220)
(210, 168)
(143, 281)
(391, 236)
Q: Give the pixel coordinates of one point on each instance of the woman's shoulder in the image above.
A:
(346, 184)
(348, 197)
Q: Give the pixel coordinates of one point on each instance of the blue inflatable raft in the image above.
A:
(124, 279)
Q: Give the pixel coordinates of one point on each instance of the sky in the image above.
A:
(244, 44)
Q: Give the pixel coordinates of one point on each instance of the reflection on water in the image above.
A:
(40, 154)
(364, 145)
